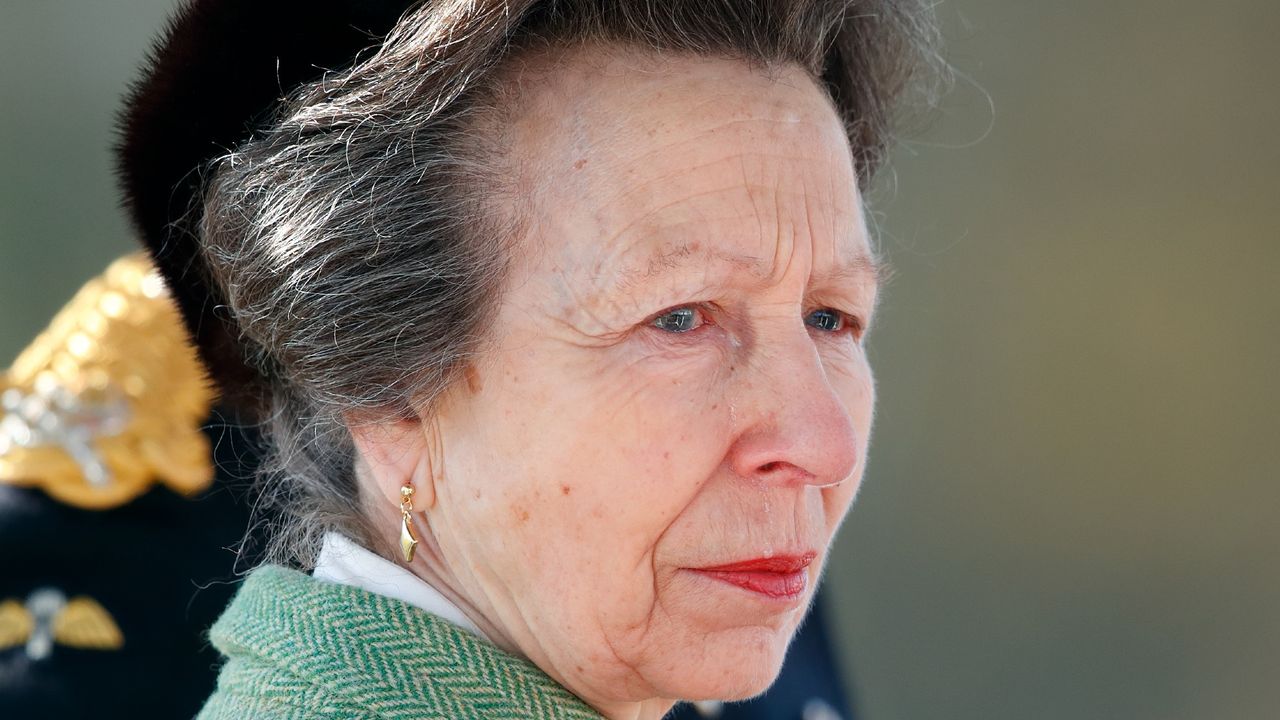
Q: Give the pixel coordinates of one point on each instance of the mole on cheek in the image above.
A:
(565, 489)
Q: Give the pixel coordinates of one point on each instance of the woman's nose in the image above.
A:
(792, 426)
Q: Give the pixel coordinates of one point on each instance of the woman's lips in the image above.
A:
(781, 577)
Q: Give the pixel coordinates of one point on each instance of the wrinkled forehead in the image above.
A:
(641, 157)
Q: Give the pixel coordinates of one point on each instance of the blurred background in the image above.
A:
(1069, 510)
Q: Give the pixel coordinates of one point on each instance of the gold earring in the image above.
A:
(408, 541)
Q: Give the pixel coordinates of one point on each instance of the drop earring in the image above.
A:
(408, 540)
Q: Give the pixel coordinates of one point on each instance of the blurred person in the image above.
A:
(121, 491)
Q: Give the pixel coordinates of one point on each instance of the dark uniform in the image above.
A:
(123, 489)
(116, 537)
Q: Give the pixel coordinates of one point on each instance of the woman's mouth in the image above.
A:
(780, 577)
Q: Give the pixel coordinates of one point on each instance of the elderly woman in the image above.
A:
(555, 314)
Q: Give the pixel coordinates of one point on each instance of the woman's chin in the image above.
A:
(736, 684)
(730, 668)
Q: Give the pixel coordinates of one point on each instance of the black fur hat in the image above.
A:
(214, 75)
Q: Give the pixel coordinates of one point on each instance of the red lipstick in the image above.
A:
(781, 577)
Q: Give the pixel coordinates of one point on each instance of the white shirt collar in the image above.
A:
(344, 562)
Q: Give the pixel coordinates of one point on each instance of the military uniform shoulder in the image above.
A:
(109, 399)
(115, 528)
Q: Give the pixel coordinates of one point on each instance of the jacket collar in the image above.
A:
(379, 654)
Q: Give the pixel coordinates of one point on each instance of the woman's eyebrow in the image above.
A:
(864, 268)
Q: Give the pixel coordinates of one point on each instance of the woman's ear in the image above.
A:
(396, 452)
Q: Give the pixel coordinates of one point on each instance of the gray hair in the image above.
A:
(363, 237)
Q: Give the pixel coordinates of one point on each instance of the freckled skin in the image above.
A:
(626, 454)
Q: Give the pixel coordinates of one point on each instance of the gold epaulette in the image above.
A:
(109, 398)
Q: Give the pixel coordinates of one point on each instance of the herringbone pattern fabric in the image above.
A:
(298, 647)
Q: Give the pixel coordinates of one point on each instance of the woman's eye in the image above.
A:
(684, 319)
(834, 321)
(678, 320)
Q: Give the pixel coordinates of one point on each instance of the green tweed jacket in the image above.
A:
(301, 648)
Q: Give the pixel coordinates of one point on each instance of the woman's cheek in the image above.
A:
(666, 429)
(615, 454)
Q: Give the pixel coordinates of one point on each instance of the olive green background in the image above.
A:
(1069, 510)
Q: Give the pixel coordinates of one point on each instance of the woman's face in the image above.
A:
(678, 382)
